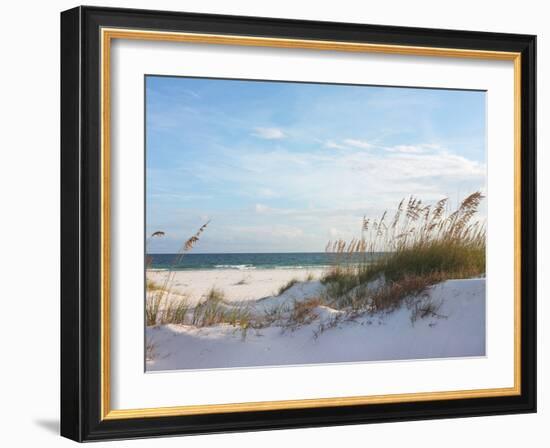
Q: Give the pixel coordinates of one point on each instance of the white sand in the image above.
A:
(457, 330)
(237, 285)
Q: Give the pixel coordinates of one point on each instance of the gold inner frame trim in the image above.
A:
(107, 35)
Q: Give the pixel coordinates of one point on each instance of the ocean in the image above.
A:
(304, 260)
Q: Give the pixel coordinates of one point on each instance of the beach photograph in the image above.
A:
(296, 223)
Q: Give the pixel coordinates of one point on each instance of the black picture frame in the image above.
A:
(81, 224)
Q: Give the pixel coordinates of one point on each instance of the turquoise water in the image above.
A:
(249, 261)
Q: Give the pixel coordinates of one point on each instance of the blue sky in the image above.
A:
(285, 167)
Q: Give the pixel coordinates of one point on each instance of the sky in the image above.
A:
(286, 167)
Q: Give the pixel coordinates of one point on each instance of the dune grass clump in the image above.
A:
(175, 311)
(152, 308)
(214, 310)
(287, 286)
(303, 312)
(410, 287)
(171, 309)
(276, 314)
(294, 281)
(157, 296)
(420, 246)
(162, 306)
(210, 311)
(151, 285)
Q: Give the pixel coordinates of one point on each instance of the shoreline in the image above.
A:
(252, 269)
(237, 285)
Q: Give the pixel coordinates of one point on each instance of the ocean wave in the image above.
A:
(244, 267)
(308, 266)
(240, 267)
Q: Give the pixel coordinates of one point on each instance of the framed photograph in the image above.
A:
(273, 223)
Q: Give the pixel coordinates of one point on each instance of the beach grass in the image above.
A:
(403, 256)
(211, 310)
(392, 264)
(303, 312)
(214, 310)
(163, 306)
(159, 309)
(287, 286)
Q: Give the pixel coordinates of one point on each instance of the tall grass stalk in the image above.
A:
(420, 245)
(157, 297)
(215, 310)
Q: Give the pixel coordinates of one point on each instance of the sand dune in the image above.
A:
(457, 330)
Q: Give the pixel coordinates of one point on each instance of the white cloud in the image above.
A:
(267, 193)
(192, 93)
(349, 143)
(413, 149)
(333, 145)
(358, 143)
(323, 195)
(269, 133)
(364, 180)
